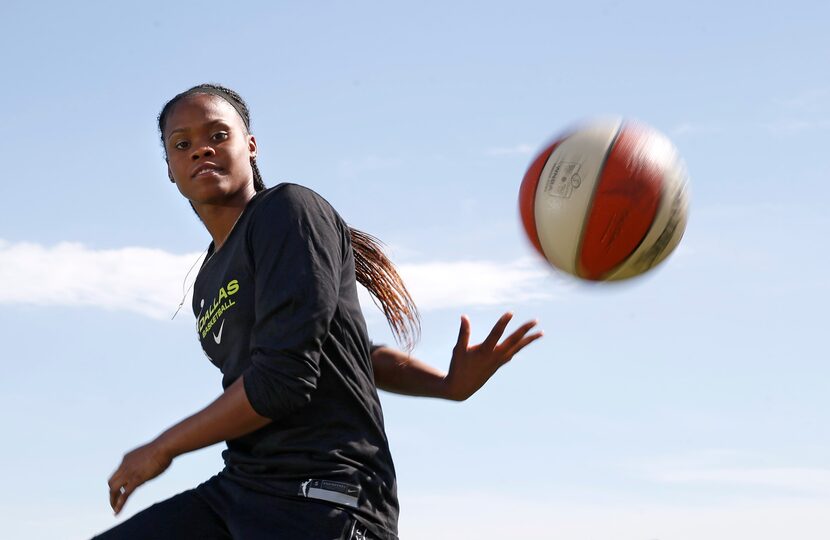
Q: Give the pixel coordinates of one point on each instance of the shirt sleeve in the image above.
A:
(296, 242)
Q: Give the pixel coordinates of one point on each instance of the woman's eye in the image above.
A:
(220, 136)
(181, 145)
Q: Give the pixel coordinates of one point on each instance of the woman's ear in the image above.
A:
(252, 146)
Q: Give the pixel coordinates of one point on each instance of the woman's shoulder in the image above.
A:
(288, 194)
(289, 203)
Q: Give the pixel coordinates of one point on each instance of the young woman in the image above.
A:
(277, 312)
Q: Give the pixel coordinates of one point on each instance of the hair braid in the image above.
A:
(377, 273)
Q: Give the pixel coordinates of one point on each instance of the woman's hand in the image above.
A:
(228, 417)
(138, 466)
(472, 366)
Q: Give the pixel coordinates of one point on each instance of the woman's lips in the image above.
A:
(205, 169)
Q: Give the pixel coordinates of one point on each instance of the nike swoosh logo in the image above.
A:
(218, 338)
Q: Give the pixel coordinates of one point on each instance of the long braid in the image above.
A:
(373, 269)
(377, 273)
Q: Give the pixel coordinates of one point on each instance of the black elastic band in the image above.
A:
(223, 95)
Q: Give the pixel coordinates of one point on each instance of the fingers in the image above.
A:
(463, 334)
(115, 484)
(114, 493)
(524, 342)
(497, 331)
(124, 494)
(122, 483)
(518, 334)
(120, 491)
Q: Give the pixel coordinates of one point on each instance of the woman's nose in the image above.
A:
(202, 152)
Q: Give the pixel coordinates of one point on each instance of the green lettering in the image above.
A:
(233, 286)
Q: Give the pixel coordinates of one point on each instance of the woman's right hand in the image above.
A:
(138, 466)
(472, 366)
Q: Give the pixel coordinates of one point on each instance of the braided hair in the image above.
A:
(373, 269)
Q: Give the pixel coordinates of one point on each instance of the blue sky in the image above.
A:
(688, 404)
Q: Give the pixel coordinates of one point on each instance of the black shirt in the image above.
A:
(278, 304)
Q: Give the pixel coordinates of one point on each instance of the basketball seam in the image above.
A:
(643, 239)
(650, 227)
(533, 235)
(674, 210)
(590, 206)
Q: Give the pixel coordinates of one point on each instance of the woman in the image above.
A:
(277, 312)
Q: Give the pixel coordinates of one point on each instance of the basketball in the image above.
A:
(606, 201)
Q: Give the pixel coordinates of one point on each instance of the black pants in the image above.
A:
(220, 509)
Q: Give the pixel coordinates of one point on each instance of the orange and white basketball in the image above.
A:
(607, 201)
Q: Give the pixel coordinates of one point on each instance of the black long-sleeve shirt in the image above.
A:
(278, 304)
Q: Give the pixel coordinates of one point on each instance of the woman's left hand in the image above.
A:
(138, 466)
(472, 366)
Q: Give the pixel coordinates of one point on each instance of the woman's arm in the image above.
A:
(228, 417)
(293, 233)
(470, 366)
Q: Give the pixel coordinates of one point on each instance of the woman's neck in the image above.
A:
(220, 219)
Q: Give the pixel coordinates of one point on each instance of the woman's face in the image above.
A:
(209, 151)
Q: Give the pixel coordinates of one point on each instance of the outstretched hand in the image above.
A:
(138, 466)
(472, 366)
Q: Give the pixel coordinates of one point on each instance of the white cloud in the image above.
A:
(795, 479)
(150, 281)
(453, 515)
(439, 285)
(491, 516)
(353, 167)
(139, 280)
(467, 284)
(692, 128)
(810, 100)
(517, 150)
(795, 126)
(727, 470)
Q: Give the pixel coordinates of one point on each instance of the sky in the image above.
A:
(690, 403)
